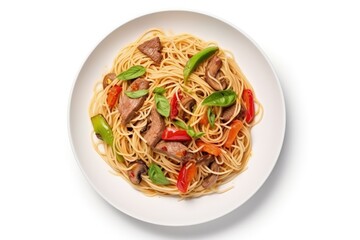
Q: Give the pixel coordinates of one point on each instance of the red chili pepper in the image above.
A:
(113, 96)
(173, 134)
(186, 174)
(174, 111)
(248, 98)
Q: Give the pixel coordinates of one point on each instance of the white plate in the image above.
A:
(267, 136)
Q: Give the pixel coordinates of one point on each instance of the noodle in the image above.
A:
(129, 141)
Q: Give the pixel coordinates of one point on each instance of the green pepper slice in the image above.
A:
(102, 129)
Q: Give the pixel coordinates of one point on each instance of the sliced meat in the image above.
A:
(228, 112)
(188, 103)
(152, 49)
(211, 179)
(156, 126)
(211, 71)
(242, 113)
(188, 157)
(128, 106)
(174, 150)
(205, 159)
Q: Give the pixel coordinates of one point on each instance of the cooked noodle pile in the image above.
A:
(129, 140)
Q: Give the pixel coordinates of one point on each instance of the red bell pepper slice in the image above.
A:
(248, 98)
(113, 95)
(174, 111)
(173, 134)
(186, 174)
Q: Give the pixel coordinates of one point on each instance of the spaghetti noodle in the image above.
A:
(207, 123)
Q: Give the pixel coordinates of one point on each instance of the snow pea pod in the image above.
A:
(198, 58)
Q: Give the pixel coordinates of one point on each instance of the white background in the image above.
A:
(314, 189)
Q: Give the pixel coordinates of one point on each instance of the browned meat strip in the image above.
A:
(174, 150)
(242, 113)
(188, 103)
(211, 71)
(156, 126)
(228, 112)
(152, 48)
(128, 106)
(205, 159)
(211, 179)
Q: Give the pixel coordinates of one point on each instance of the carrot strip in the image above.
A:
(209, 148)
(204, 120)
(235, 128)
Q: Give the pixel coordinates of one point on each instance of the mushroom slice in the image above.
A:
(211, 179)
(108, 78)
(228, 112)
(137, 169)
(211, 71)
(188, 103)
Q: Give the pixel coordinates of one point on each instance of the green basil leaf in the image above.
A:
(191, 132)
(198, 135)
(222, 98)
(197, 59)
(159, 90)
(136, 94)
(162, 105)
(132, 73)
(180, 124)
(211, 117)
(156, 175)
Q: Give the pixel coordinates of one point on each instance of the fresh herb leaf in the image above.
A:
(189, 130)
(156, 175)
(197, 59)
(136, 94)
(159, 90)
(132, 73)
(222, 98)
(162, 105)
(211, 117)
(180, 124)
